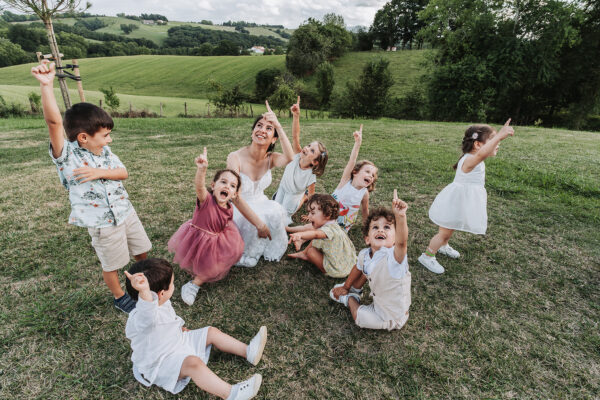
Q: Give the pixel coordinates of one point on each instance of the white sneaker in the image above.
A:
(448, 251)
(344, 298)
(256, 346)
(189, 292)
(247, 389)
(352, 290)
(431, 264)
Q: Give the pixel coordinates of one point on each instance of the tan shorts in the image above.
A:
(115, 245)
(367, 317)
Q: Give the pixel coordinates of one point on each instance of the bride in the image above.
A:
(261, 221)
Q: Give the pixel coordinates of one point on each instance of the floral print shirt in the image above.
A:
(98, 203)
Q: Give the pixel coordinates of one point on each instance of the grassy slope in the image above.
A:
(515, 317)
(180, 76)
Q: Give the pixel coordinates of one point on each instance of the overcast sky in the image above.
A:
(289, 13)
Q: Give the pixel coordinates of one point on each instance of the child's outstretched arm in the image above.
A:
(295, 110)
(364, 206)
(45, 73)
(299, 228)
(279, 160)
(399, 208)
(488, 148)
(353, 156)
(200, 180)
(304, 236)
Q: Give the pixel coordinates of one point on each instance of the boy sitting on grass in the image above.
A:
(384, 264)
(93, 176)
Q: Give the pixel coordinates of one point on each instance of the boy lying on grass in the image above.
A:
(385, 265)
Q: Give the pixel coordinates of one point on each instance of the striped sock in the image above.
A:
(429, 253)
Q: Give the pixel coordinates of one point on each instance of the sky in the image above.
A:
(289, 13)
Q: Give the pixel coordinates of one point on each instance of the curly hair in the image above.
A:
(357, 168)
(374, 215)
(328, 205)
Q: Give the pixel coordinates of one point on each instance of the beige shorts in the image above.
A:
(115, 245)
(367, 317)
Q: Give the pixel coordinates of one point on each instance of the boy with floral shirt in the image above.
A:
(92, 174)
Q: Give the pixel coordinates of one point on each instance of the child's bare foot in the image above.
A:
(301, 255)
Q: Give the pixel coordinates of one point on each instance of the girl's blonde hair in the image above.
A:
(322, 158)
(357, 168)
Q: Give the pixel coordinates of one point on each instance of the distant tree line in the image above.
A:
(194, 36)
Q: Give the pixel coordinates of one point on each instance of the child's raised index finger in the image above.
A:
(267, 104)
(507, 123)
(298, 102)
(360, 129)
(205, 151)
(395, 194)
(128, 275)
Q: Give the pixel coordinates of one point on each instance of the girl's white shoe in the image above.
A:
(255, 348)
(247, 389)
(189, 292)
(431, 264)
(448, 251)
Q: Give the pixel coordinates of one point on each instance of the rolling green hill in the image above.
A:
(190, 77)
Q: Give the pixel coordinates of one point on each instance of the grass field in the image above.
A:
(515, 317)
(190, 77)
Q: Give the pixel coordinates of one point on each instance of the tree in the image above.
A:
(111, 99)
(282, 97)
(128, 28)
(12, 54)
(226, 48)
(229, 99)
(266, 83)
(363, 40)
(398, 22)
(325, 82)
(45, 10)
(29, 39)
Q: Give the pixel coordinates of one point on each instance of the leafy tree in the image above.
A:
(226, 48)
(229, 99)
(128, 28)
(110, 98)
(29, 39)
(308, 47)
(325, 82)
(363, 40)
(283, 96)
(92, 24)
(334, 28)
(266, 83)
(12, 54)
(398, 22)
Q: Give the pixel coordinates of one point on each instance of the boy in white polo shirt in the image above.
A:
(93, 176)
(384, 264)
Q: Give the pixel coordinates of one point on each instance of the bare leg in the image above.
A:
(440, 239)
(202, 376)
(225, 343)
(353, 306)
(111, 278)
(197, 281)
(142, 256)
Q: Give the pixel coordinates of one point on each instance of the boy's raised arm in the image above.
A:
(399, 208)
(45, 73)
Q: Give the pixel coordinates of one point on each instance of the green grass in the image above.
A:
(515, 317)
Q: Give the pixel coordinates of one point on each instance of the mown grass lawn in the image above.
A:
(515, 317)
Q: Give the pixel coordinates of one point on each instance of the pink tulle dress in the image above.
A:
(208, 244)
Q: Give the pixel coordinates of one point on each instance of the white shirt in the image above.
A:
(397, 270)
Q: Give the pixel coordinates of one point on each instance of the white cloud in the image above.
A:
(290, 13)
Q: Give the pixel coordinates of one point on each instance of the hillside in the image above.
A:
(190, 77)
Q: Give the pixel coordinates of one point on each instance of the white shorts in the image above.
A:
(194, 344)
(115, 245)
(367, 317)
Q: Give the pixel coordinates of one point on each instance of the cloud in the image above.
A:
(290, 13)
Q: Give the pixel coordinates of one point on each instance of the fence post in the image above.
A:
(185, 108)
(306, 113)
(100, 102)
(161, 109)
(208, 110)
(251, 111)
(79, 84)
(130, 108)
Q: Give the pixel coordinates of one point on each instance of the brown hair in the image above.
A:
(85, 118)
(321, 159)
(357, 168)
(474, 133)
(375, 215)
(221, 172)
(272, 145)
(158, 272)
(328, 205)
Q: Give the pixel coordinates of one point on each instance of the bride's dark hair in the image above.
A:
(272, 145)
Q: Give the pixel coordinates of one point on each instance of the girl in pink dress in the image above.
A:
(210, 243)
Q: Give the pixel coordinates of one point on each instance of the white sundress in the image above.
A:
(271, 212)
(462, 205)
(349, 199)
(292, 186)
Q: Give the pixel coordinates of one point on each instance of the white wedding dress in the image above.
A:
(271, 212)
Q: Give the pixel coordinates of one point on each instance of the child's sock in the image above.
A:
(429, 253)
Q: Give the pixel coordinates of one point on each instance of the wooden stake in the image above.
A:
(100, 102)
(161, 109)
(185, 108)
(79, 85)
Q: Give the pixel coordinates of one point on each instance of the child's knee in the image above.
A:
(191, 363)
(212, 334)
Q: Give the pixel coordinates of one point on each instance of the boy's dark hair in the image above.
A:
(158, 272)
(221, 172)
(328, 205)
(321, 159)
(85, 117)
(357, 168)
(474, 133)
(272, 145)
(375, 215)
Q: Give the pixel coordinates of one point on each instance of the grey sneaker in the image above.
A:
(247, 389)
(353, 290)
(448, 251)
(125, 303)
(189, 292)
(256, 346)
(431, 264)
(344, 298)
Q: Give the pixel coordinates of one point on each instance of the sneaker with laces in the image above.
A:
(353, 290)
(125, 303)
(256, 346)
(344, 298)
(431, 264)
(448, 251)
(247, 389)
(189, 292)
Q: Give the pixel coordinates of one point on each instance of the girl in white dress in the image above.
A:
(261, 221)
(301, 173)
(462, 204)
(358, 180)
